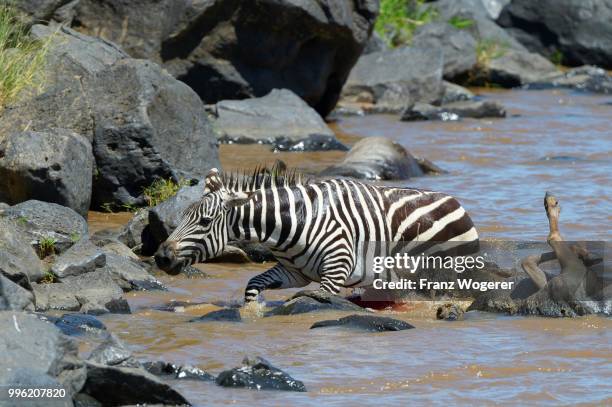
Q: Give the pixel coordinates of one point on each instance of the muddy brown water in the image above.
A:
(497, 169)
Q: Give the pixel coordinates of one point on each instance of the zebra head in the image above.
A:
(203, 231)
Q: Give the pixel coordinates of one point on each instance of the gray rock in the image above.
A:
(172, 371)
(454, 111)
(449, 312)
(79, 324)
(258, 374)
(369, 323)
(455, 93)
(131, 234)
(280, 118)
(37, 220)
(390, 88)
(516, 68)
(130, 274)
(304, 45)
(225, 314)
(458, 47)
(18, 260)
(117, 385)
(375, 44)
(26, 342)
(83, 257)
(312, 301)
(27, 378)
(112, 246)
(141, 135)
(112, 352)
(376, 158)
(14, 297)
(579, 31)
(89, 293)
(584, 78)
(53, 166)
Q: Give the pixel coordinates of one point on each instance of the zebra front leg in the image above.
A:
(274, 278)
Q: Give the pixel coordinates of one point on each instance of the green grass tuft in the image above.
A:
(557, 58)
(21, 58)
(161, 190)
(488, 50)
(398, 19)
(460, 23)
(46, 246)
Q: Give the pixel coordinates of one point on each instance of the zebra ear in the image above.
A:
(213, 182)
(233, 199)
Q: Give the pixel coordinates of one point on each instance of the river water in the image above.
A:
(552, 140)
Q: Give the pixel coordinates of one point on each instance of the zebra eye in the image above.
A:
(205, 221)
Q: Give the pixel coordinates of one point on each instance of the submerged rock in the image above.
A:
(454, 111)
(172, 371)
(376, 158)
(226, 314)
(258, 374)
(370, 323)
(79, 324)
(312, 301)
(585, 78)
(280, 118)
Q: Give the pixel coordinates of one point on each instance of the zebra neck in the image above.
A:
(258, 221)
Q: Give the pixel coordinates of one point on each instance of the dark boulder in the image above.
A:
(584, 78)
(515, 68)
(376, 158)
(91, 293)
(307, 46)
(577, 32)
(53, 166)
(14, 297)
(458, 47)
(279, 118)
(258, 374)
(18, 260)
(171, 371)
(391, 89)
(312, 301)
(118, 385)
(37, 221)
(369, 323)
(226, 314)
(29, 344)
(454, 111)
(82, 257)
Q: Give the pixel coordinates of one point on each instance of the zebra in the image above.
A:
(314, 228)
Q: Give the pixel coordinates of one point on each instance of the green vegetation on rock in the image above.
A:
(21, 58)
(460, 23)
(161, 190)
(399, 18)
(488, 50)
(46, 246)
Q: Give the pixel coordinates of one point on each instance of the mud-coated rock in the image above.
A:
(390, 88)
(82, 257)
(279, 118)
(28, 343)
(578, 31)
(18, 260)
(369, 323)
(37, 220)
(233, 49)
(312, 301)
(258, 374)
(376, 158)
(53, 166)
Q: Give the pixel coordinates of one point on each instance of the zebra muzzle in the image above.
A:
(166, 258)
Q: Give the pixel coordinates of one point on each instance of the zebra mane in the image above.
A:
(262, 177)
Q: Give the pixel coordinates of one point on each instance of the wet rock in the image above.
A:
(391, 89)
(455, 93)
(259, 374)
(311, 301)
(112, 246)
(306, 46)
(516, 68)
(458, 47)
(30, 345)
(18, 260)
(543, 27)
(14, 297)
(112, 352)
(133, 232)
(172, 371)
(280, 118)
(449, 312)
(130, 274)
(366, 323)
(37, 220)
(376, 158)
(54, 166)
(82, 257)
(80, 324)
(117, 385)
(227, 314)
(585, 78)
(91, 293)
(454, 111)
